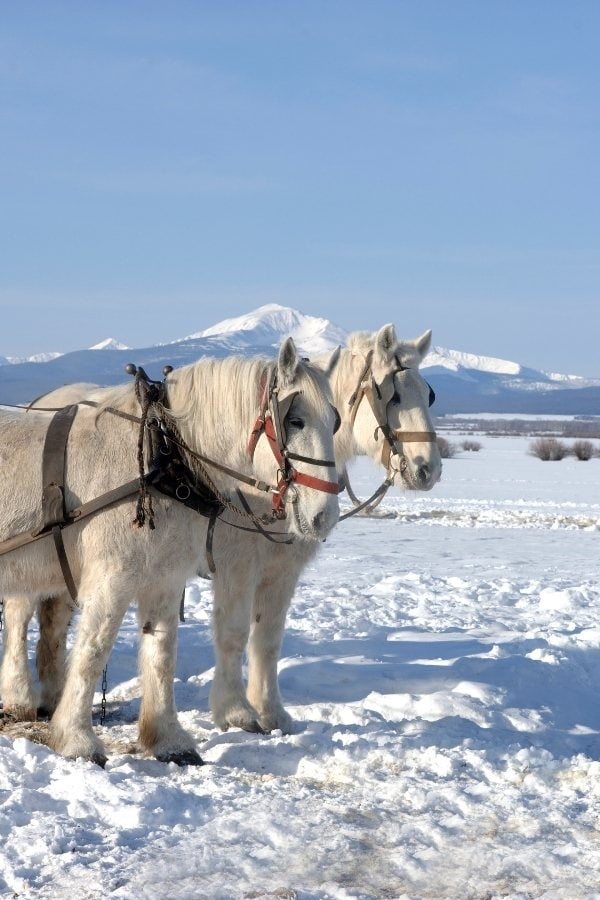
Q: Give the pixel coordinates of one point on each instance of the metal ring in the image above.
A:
(182, 492)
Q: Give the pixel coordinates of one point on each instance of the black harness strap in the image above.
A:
(212, 521)
(368, 504)
(267, 534)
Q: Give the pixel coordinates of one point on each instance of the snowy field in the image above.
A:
(442, 663)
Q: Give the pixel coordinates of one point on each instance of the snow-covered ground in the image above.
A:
(442, 662)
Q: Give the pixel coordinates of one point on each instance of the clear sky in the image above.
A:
(165, 165)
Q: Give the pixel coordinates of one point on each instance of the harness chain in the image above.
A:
(103, 701)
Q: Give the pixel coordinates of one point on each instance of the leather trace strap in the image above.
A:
(54, 515)
(271, 423)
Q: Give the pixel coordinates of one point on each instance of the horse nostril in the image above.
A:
(318, 521)
(424, 473)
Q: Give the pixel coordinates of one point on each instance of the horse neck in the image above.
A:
(214, 403)
(343, 381)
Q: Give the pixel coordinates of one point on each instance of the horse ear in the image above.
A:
(288, 361)
(333, 360)
(385, 341)
(423, 343)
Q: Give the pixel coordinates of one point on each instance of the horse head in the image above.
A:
(294, 432)
(389, 409)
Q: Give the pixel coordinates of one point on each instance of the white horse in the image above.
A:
(254, 622)
(250, 607)
(211, 409)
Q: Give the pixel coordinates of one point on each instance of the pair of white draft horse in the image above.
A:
(212, 406)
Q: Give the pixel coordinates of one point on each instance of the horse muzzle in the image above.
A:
(415, 475)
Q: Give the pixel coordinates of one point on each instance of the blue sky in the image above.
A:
(436, 164)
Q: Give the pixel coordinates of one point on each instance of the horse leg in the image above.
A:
(19, 696)
(271, 604)
(71, 732)
(51, 654)
(159, 730)
(232, 604)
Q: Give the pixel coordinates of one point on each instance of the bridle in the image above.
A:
(393, 439)
(271, 420)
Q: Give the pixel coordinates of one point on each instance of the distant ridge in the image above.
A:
(464, 382)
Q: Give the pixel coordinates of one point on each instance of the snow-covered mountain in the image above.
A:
(465, 365)
(464, 382)
(266, 326)
(110, 344)
(36, 358)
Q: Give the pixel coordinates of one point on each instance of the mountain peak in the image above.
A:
(269, 324)
(110, 344)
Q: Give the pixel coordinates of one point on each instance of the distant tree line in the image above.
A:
(564, 428)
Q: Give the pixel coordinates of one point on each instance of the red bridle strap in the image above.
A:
(289, 474)
(259, 425)
(264, 423)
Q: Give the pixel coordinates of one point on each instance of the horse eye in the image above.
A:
(296, 422)
(431, 395)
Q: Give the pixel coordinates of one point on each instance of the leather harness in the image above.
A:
(169, 474)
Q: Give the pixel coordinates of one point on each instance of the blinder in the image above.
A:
(431, 398)
(337, 420)
(281, 412)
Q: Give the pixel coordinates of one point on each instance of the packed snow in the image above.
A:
(442, 664)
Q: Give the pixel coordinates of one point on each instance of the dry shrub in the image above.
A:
(447, 449)
(583, 450)
(474, 446)
(548, 448)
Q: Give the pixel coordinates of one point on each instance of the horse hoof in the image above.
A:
(43, 713)
(19, 714)
(99, 758)
(182, 758)
(254, 727)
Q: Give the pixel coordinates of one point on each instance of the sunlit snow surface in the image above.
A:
(442, 662)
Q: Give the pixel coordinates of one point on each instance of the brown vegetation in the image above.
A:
(548, 448)
(446, 448)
